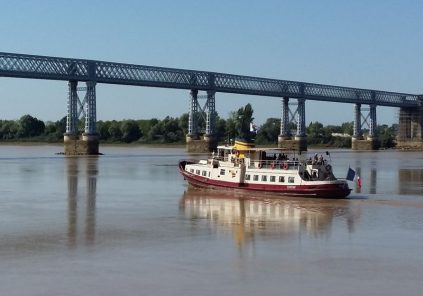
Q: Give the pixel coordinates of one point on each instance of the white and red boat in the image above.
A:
(267, 170)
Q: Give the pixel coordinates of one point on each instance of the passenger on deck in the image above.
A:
(306, 175)
(315, 159)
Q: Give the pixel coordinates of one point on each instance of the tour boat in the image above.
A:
(267, 170)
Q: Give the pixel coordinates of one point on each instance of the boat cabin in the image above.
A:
(309, 169)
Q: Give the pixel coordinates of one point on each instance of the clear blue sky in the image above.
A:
(367, 44)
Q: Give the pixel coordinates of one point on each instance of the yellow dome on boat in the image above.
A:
(242, 145)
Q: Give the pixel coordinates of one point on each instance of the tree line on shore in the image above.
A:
(172, 130)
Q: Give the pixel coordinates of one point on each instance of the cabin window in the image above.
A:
(291, 180)
(192, 171)
(222, 171)
(247, 177)
(272, 179)
(264, 178)
(281, 179)
(204, 173)
(197, 172)
(255, 178)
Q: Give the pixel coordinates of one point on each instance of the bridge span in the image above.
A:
(92, 72)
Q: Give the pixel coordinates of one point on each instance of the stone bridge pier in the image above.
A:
(410, 131)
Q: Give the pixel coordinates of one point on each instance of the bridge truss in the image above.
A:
(68, 69)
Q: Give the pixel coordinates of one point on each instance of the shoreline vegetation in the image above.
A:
(171, 131)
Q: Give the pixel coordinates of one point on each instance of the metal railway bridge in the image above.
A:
(92, 72)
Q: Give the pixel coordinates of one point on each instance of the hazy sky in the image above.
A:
(366, 44)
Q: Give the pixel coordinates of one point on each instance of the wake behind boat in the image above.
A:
(266, 170)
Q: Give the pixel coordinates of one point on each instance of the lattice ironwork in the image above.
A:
(205, 111)
(192, 116)
(81, 109)
(72, 114)
(43, 67)
(364, 118)
(90, 109)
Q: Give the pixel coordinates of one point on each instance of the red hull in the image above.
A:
(318, 191)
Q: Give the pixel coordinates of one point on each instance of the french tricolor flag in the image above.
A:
(351, 175)
(358, 181)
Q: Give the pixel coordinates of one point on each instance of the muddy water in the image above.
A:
(126, 224)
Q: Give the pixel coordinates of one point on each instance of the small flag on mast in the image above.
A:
(253, 128)
(350, 174)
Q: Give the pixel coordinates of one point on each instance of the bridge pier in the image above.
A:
(194, 141)
(285, 140)
(71, 137)
(87, 143)
(358, 142)
(410, 132)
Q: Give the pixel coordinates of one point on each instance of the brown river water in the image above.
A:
(125, 223)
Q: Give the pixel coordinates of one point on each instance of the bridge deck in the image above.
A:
(54, 68)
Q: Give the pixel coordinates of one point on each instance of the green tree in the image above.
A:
(347, 128)
(231, 131)
(269, 131)
(50, 128)
(317, 134)
(114, 131)
(171, 130)
(61, 126)
(220, 129)
(155, 133)
(244, 117)
(130, 131)
(54, 131)
(183, 122)
(386, 136)
(30, 126)
(329, 129)
(103, 130)
(145, 127)
(9, 129)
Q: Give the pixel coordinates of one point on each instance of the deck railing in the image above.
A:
(264, 164)
(275, 164)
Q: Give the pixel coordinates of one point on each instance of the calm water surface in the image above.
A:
(125, 224)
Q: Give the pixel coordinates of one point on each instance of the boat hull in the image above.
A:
(328, 190)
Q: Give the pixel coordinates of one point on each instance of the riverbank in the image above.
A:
(320, 147)
(29, 143)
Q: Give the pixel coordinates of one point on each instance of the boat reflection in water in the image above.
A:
(247, 217)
